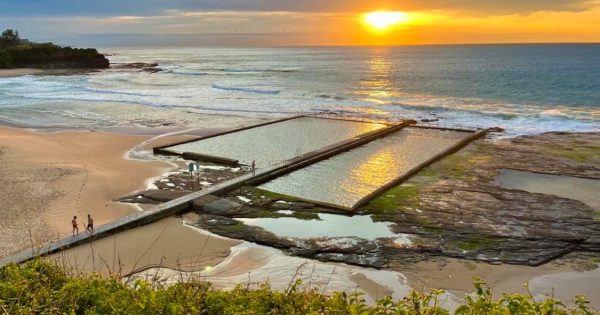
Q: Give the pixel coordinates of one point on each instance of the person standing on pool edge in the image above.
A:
(90, 224)
(253, 167)
(75, 226)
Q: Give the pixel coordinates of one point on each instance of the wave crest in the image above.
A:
(245, 89)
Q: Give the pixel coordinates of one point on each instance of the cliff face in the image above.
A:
(50, 56)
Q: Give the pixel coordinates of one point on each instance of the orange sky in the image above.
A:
(312, 22)
(447, 27)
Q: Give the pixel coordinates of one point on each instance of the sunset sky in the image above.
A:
(306, 22)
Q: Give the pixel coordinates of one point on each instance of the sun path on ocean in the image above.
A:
(384, 20)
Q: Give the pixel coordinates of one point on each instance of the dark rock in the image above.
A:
(301, 206)
(458, 212)
(154, 196)
(142, 66)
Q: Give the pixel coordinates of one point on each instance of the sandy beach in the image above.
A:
(47, 178)
(19, 72)
(167, 243)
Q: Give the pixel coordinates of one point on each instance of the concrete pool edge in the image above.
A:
(330, 151)
(162, 149)
(452, 149)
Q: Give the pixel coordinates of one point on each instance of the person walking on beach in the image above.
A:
(253, 166)
(90, 225)
(75, 226)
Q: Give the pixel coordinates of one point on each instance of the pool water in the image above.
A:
(348, 177)
(271, 144)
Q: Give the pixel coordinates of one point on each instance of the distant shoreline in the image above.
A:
(17, 72)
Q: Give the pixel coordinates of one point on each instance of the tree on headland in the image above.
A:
(10, 38)
(16, 52)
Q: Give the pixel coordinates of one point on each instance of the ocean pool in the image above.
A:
(348, 177)
(272, 144)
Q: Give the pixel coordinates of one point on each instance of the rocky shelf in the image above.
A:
(454, 208)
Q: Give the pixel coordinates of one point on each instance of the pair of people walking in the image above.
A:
(89, 227)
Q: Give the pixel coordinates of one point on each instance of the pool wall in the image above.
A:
(462, 142)
(163, 151)
(329, 151)
(452, 149)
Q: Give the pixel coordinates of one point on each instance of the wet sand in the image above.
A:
(19, 72)
(251, 265)
(565, 285)
(47, 178)
(456, 276)
(168, 243)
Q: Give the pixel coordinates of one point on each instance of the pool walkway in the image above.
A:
(182, 204)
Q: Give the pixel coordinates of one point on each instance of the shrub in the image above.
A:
(41, 287)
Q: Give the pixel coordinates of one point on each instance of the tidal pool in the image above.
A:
(271, 144)
(330, 225)
(576, 188)
(348, 177)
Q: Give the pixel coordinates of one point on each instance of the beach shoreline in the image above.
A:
(19, 72)
(50, 177)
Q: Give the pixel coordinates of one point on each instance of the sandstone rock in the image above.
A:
(224, 207)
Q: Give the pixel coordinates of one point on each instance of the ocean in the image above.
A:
(525, 89)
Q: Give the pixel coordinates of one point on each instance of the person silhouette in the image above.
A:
(75, 226)
(90, 224)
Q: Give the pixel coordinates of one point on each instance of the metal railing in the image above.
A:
(277, 162)
(446, 125)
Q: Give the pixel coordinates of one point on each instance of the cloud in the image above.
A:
(154, 7)
(302, 24)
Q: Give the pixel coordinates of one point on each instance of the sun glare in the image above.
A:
(383, 20)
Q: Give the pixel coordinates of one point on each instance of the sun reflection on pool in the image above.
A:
(346, 178)
(370, 171)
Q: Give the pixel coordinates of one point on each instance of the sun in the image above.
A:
(384, 20)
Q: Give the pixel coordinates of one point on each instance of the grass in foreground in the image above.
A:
(41, 287)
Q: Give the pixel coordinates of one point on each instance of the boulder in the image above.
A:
(224, 207)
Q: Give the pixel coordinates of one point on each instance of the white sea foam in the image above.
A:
(431, 83)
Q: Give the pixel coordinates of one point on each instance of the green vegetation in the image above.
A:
(237, 227)
(576, 153)
(16, 52)
(41, 287)
(476, 242)
(260, 193)
(10, 38)
(405, 195)
(306, 215)
(299, 214)
(590, 263)
(597, 215)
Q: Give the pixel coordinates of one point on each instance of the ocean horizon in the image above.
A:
(524, 88)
